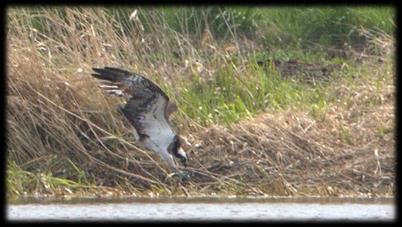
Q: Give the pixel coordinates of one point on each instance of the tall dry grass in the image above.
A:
(57, 116)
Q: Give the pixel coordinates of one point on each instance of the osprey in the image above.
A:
(148, 109)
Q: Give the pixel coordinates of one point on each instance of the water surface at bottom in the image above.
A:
(201, 211)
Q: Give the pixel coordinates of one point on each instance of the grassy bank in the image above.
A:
(269, 105)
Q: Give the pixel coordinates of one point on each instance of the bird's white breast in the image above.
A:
(157, 128)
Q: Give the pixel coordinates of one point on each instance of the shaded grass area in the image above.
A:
(314, 117)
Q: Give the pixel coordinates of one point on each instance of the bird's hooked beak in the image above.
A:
(183, 157)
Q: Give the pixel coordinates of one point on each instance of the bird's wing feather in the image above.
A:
(147, 106)
(126, 81)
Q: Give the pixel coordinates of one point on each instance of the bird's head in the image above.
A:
(176, 149)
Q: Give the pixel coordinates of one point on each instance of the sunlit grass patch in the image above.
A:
(230, 95)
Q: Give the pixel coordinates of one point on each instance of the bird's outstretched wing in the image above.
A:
(147, 106)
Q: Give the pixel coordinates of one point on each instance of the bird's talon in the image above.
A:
(182, 175)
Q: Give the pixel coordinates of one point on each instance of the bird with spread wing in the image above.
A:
(148, 109)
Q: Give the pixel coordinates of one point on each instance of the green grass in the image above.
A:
(20, 182)
(231, 96)
(304, 26)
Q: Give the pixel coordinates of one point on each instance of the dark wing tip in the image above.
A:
(111, 70)
(117, 70)
(98, 70)
(99, 76)
(110, 73)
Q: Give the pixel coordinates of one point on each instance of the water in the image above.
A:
(144, 210)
